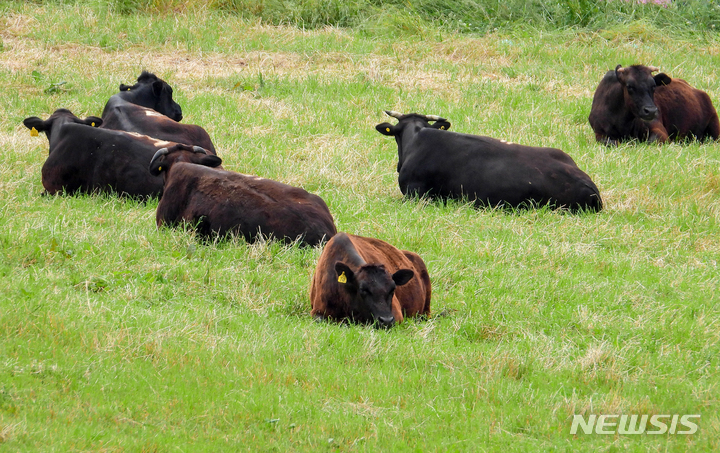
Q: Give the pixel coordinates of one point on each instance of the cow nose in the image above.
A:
(386, 321)
(649, 111)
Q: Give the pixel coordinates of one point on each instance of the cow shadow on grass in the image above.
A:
(500, 208)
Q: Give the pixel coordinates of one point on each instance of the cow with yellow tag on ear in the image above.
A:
(439, 164)
(83, 157)
(36, 125)
(367, 280)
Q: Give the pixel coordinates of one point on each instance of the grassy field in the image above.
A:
(116, 336)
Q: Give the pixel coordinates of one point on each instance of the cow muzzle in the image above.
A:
(649, 113)
(385, 322)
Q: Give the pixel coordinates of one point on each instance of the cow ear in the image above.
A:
(662, 79)
(93, 121)
(157, 167)
(157, 88)
(35, 125)
(402, 276)
(210, 161)
(619, 72)
(444, 125)
(386, 129)
(345, 275)
(124, 87)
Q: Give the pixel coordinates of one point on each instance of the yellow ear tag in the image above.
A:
(159, 168)
(442, 127)
(128, 89)
(92, 124)
(387, 129)
(33, 132)
(342, 278)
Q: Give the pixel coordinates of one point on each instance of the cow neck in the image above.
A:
(410, 131)
(56, 130)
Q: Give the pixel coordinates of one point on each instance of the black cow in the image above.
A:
(367, 280)
(149, 109)
(218, 202)
(88, 159)
(631, 103)
(440, 164)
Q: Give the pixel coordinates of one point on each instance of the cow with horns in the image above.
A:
(219, 202)
(437, 163)
(632, 103)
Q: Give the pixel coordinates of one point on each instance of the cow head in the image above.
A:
(638, 86)
(417, 120)
(59, 117)
(164, 158)
(371, 289)
(407, 126)
(153, 93)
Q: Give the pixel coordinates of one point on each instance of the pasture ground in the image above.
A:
(116, 336)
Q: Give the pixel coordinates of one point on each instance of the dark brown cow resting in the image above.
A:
(149, 109)
(88, 159)
(437, 163)
(631, 103)
(367, 280)
(218, 202)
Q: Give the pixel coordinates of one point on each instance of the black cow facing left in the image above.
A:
(148, 108)
(85, 158)
(437, 163)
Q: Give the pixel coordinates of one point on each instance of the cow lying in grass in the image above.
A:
(149, 109)
(85, 158)
(218, 202)
(437, 163)
(631, 103)
(367, 280)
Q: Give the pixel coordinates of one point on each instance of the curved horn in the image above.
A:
(198, 149)
(653, 68)
(434, 118)
(394, 114)
(158, 153)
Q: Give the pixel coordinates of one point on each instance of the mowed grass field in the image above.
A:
(117, 336)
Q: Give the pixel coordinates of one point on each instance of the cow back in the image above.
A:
(493, 172)
(87, 159)
(686, 111)
(221, 202)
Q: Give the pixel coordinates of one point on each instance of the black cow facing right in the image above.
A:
(440, 164)
(149, 109)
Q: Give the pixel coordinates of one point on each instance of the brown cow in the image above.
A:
(218, 202)
(367, 280)
(631, 103)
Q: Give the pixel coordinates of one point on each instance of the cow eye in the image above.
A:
(631, 90)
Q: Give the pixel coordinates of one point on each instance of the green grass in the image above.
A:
(117, 336)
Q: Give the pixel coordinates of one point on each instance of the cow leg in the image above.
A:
(658, 133)
(605, 140)
(713, 129)
(396, 311)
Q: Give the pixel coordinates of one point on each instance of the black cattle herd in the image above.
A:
(140, 149)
